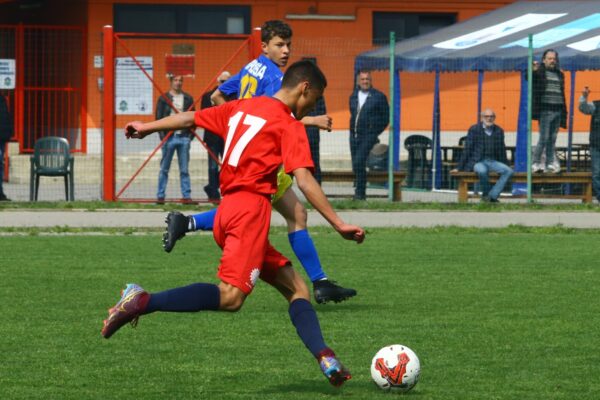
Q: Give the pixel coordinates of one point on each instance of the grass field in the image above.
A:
(493, 314)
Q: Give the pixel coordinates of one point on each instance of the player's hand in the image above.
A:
(585, 92)
(352, 232)
(132, 130)
(323, 122)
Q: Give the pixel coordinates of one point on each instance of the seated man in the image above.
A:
(485, 152)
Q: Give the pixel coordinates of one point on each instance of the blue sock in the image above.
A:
(205, 221)
(305, 320)
(305, 250)
(195, 297)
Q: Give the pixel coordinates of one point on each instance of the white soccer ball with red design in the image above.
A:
(395, 368)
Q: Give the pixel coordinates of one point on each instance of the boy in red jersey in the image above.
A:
(260, 134)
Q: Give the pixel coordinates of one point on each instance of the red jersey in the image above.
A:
(260, 134)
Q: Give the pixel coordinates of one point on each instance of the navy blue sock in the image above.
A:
(305, 250)
(305, 320)
(195, 297)
(205, 221)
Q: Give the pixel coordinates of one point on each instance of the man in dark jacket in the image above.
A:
(485, 152)
(369, 116)
(549, 109)
(314, 137)
(6, 131)
(593, 108)
(215, 144)
(179, 141)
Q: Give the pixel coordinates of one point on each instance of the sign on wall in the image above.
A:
(7, 73)
(133, 89)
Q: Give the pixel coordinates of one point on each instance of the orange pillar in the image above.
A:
(19, 100)
(255, 49)
(109, 115)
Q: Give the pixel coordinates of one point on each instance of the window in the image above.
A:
(407, 25)
(179, 18)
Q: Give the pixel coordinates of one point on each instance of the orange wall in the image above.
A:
(335, 44)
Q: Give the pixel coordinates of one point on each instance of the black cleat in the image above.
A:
(177, 227)
(326, 290)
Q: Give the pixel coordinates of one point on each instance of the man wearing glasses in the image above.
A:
(485, 152)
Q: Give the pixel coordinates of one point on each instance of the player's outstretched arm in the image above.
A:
(321, 121)
(314, 194)
(139, 130)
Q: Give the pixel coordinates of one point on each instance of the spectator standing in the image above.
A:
(369, 116)
(6, 131)
(593, 108)
(485, 152)
(549, 109)
(215, 145)
(179, 141)
(314, 137)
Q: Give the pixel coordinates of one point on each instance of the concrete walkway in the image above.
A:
(155, 219)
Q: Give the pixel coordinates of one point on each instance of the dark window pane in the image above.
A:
(146, 21)
(430, 23)
(407, 25)
(149, 18)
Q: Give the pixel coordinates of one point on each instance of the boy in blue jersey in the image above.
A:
(262, 77)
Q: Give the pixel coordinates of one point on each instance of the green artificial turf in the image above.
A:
(492, 314)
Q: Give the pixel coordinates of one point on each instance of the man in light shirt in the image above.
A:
(176, 101)
(369, 116)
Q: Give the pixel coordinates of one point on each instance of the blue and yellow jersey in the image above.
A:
(260, 77)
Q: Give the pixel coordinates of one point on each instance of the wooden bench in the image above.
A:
(584, 178)
(372, 176)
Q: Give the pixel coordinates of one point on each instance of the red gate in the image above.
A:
(130, 167)
(49, 94)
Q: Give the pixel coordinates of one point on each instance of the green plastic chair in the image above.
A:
(51, 157)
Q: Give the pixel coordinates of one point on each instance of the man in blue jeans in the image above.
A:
(6, 131)
(176, 101)
(549, 109)
(593, 108)
(485, 152)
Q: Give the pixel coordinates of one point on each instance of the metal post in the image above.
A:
(255, 48)
(529, 94)
(108, 115)
(479, 93)
(391, 128)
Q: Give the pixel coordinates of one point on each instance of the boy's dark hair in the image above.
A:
(301, 71)
(273, 28)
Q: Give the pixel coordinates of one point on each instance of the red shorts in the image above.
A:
(242, 230)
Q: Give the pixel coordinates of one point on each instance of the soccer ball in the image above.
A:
(395, 368)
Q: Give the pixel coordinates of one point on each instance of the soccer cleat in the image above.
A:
(326, 290)
(177, 226)
(131, 305)
(333, 369)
